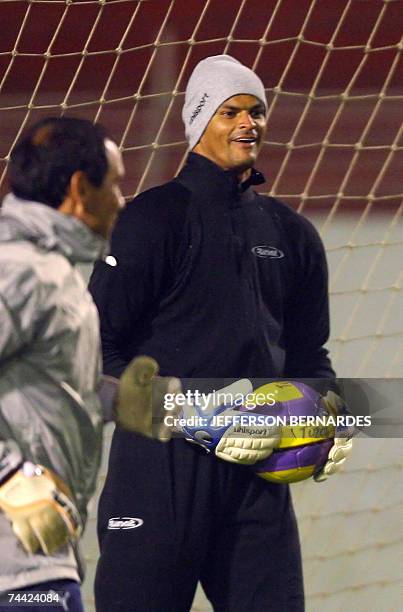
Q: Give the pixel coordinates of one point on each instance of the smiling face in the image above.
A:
(234, 135)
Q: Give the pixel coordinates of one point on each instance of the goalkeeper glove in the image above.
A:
(225, 430)
(343, 442)
(38, 504)
(139, 406)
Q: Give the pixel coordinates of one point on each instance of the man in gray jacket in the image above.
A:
(64, 177)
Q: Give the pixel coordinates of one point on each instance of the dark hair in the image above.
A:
(50, 152)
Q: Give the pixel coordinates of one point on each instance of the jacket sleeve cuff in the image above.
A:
(11, 459)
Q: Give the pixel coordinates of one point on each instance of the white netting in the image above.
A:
(332, 71)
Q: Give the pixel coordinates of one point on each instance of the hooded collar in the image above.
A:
(49, 229)
(200, 170)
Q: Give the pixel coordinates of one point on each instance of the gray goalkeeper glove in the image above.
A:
(343, 442)
(139, 406)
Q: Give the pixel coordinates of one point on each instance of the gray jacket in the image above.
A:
(49, 367)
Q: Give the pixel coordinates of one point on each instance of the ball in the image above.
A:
(303, 450)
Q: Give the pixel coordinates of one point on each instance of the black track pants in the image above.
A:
(202, 519)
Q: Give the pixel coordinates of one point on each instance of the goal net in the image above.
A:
(332, 71)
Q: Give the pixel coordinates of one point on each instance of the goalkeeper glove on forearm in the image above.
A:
(139, 406)
(343, 442)
(226, 431)
(38, 504)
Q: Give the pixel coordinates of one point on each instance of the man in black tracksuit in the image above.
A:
(213, 281)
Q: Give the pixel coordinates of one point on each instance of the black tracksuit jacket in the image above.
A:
(214, 281)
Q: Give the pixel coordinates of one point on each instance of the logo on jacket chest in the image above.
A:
(264, 251)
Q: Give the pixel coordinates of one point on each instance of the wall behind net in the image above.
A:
(332, 71)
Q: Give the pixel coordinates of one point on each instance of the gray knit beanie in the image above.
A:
(214, 80)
